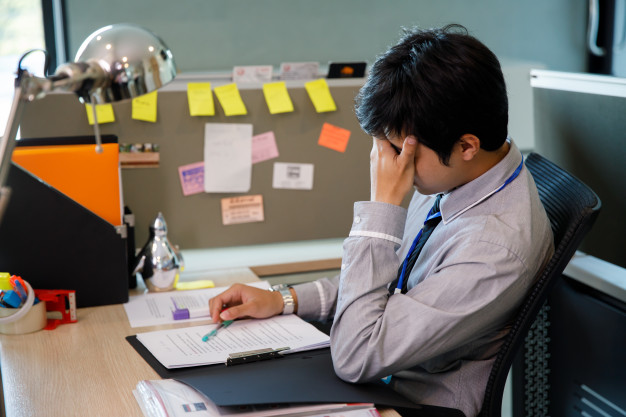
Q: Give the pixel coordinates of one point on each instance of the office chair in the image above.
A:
(572, 208)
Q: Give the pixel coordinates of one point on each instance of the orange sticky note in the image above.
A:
(230, 99)
(333, 137)
(319, 93)
(104, 113)
(145, 107)
(277, 97)
(200, 98)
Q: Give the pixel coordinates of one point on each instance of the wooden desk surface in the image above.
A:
(81, 369)
(84, 369)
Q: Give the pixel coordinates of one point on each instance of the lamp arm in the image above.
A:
(70, 77)
(8, 144)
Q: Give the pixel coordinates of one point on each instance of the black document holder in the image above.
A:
(306, 377)
(53, 242)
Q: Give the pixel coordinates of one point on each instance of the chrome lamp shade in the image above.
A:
(116, 62)
(126, 60)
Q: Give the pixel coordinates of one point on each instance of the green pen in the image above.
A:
(213, 332)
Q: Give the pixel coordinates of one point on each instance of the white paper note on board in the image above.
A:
(293, 176)
(227, 157)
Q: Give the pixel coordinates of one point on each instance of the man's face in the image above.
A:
(431, 175)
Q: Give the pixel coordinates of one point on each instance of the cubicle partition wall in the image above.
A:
(573, 361)
(195, 221)
(580, 125)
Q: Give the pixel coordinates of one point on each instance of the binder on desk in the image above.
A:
(56, 243)
(305, 377)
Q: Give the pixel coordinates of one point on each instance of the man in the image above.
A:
(437, 108)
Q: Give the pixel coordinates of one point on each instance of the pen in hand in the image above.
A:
(219, 327)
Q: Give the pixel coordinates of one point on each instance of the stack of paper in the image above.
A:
(156, 308)
(169, 397)
(183, 347)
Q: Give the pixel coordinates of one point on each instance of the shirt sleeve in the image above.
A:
(317, 300)
(375, 335)
(380, 222)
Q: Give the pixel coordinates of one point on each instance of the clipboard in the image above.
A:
(304, 377)
(299, 377)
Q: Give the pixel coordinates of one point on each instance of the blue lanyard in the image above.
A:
(431, 216)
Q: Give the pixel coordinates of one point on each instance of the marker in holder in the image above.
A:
(29, 318)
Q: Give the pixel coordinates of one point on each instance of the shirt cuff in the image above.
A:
(378, 220)
(310, 301)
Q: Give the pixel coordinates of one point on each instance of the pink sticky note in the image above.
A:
(264, 147)
(192, 178)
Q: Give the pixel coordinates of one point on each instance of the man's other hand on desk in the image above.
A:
(241, 301)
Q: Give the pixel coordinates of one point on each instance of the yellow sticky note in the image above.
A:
(194, 285)
(200, 98)
(145, 107)
(230, 99)
(104, 112)
(319, 93)
(277, 97)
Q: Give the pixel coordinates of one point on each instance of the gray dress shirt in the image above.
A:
(438, 340)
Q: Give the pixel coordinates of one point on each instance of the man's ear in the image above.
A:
(470, 145)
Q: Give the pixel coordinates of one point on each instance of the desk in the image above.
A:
(86, 368)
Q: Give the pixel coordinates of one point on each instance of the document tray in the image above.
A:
(55, 243)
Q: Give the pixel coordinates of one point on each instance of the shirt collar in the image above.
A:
(471, 193)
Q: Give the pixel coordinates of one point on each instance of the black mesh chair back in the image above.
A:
(572, 208)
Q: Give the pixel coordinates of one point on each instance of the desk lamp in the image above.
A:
(114, 63)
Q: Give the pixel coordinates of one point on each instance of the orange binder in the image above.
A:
(89, 178)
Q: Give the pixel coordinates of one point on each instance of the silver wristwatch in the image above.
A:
(288, 303)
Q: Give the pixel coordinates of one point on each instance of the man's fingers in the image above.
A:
(233, 313)
(227, 298)
(408, 149)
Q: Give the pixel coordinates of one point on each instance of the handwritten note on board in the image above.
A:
(145, 107)
(334, 137)
(227, 157)
(277, 97)
(264, 147)
(230, 100)
(319, 93)
(104, 113)
(200, 99)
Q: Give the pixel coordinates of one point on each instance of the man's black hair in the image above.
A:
(437, 85)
